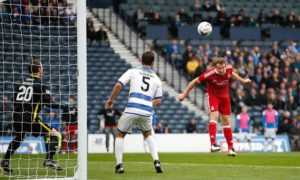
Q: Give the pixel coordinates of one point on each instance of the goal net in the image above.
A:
(45, 30)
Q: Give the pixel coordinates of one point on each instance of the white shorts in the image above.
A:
(243, 136)
(270, 133)
(127, 120)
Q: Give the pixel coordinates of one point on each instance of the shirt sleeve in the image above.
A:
(229, 69)
(201, 78)
(158, 92)
(125, 78)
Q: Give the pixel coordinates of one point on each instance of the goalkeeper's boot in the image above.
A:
(157, 166)
(6, 166)
(51, 164)
(215, 148)
(119, 169)
(231, 152)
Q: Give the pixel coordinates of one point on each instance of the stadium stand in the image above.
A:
(280, 34)
(226, 15)
(245, 33)
(156, 31)
(188, 32)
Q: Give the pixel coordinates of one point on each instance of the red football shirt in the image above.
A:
(216, 84)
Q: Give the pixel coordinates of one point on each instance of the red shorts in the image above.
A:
(72, 129)
(218, 103)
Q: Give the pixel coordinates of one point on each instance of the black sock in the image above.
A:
(46, 139)
(14, 145)
(52, 147)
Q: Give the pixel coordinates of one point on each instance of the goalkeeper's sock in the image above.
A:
(228, 136)
(14, 145)
(153, 147)
(119, 149)
(52, 148)
(212, 129)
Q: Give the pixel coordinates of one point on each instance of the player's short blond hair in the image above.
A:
(219, 60)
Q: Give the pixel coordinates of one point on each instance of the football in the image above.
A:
(204, 29)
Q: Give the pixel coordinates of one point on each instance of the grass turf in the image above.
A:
(176, 166)
(200, 166)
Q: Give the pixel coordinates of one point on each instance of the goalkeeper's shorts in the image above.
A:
(23, 125)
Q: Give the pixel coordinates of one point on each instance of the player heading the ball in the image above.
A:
(217, 81)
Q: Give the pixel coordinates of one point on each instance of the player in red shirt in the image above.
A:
(217, 80)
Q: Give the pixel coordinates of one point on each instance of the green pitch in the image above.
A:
(200, 166)
(176, 166)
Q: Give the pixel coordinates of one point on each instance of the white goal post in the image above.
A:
(82, 91)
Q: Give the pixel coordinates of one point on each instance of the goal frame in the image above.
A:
(81, 173)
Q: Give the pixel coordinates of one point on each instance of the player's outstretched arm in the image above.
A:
(235, 76)
(117, 88)
(187, 90)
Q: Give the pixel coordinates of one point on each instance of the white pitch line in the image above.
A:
(213, 165)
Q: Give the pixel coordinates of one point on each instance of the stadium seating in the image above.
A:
(245, 33)
(168, 8)
(279, 34)
(156, 31)
(189, 32)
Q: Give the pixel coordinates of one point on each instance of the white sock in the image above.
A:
(119, 149)
(153, 147)
(145, 146)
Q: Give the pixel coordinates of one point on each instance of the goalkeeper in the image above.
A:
(29, 97)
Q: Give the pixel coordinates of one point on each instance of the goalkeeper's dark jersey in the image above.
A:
(30, 96)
